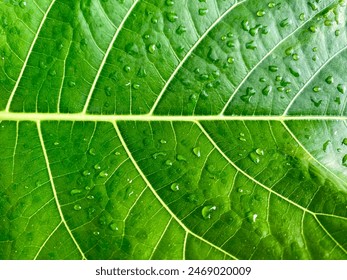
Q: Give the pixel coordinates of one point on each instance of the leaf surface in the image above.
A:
(173, 129)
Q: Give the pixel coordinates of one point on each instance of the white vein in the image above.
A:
(27, 58)
(47, 239)
(179, 66)
(106, 56)
(54, 190)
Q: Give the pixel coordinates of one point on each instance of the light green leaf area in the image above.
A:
(173, 129)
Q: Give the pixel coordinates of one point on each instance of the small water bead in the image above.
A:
(337, 33)
(159, 154)
(289, 51)
(341, 88)
(262, 80)
(52, 72)
(203, 11)
(302, 16)
(77, 207)
(254, 157)
(312, 29)
(316, 103)
(152, 48)
(313, 6)
(171, 16)
(108, 91)
(56, 143)
(325, 145)
(175, 187)
(267, 90)
(132, 49)
(245, 25)
(295, 73)
(90, 197)
(314, 49)
(146, 36)
(142, 72)
(22, 4)
(207, 211)
(114, 227)
(103, 174)
(91, 151)
(136, 86)
(230, 44)
(197, 151)
(96, 233)
(285, 22)
(259, 151)
(97, 166)
(223, 38)
(271, 5)
(251, 45)
(329, 80)
(344, 161)
(181, 29)
(280, 89)
(75, 191)
(337, 100)
(181, 158)
(86, 173)
(230, 60)
(261, 13)
(127, 68)
(295, 56)
(230, 35)
(344, 141)
(317, 89)
(168, 162)
(278, 78)
(273, 68)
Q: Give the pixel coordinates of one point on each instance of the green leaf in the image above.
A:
(173, 129)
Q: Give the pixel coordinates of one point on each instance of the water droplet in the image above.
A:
(302, 16)
(97, 166)
(329, 80)
(242, 139)
(249, 93)
(285, 22)
(152, 48)
(86, 173)
(56, 143)
(136, 86)
(203, 11)
(114, 227)
(344, 141)
(271, 5)
(337, 33)
(42, 65)
(92, 151)
(266, 90)
(254, 217)
(262, 80)
(316, 89)
(251, 45)
(77, 207)
(197, 151)
(313, 6)
(168, 162)
(132, 49)
(316, 103)
(22, 4)
(156, 155)
(259, 151)
(260, 13)
(212, 55)
(245, 25)
(230, 44)
(75, 191)
(103, 174)
(295, 73)
(181, 29)
(289, 51)
(295, 56)
(230, 60)
(142, 72)
(117, 153)
(90, 197)
(312, 29)
(341, 88)
(175, 187)
(96, 233)
(207, 211)
(325, 145)
(127, 68)
(171, 16)
(280, 89)
(181, 158)
(254, 157)
(344, 161)
(273, 68)
(239, 190)
(337, 100)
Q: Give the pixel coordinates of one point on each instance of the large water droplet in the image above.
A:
(103, 174)
(197, 151)
(251, 45)
(203, 11)
(152, 48)
(267, 90)
(171, 16)
(207, 211)
(175, 187)
(344, 141)
(344, 161)
(261, 13)
(77, 207)
(132, 49)
(254, 157)
(273, 68)
(245, 25)
(75, 191)
(181, 29)
(329, 80)
(325, 145)
(341, 88)
(92, 152)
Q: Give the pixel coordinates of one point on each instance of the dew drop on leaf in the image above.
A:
(114, 227)
(159, 154)
(254, 157)
(329, 80)
(175, 187)
(77, 207)
(181, 158)
(197, 151)
(207, 211)
(203, 11)
(325, 145)
(168, 162)
(92, 151)
(75, 191)
(344, 161)
(344, 141)
(103, 174)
